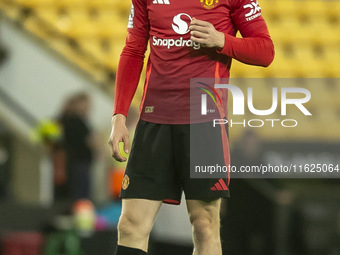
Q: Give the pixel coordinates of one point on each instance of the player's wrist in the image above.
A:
(220, 41)
(118, 118)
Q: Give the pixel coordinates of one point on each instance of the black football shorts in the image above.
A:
(158, 167)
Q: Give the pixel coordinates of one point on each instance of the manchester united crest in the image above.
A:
(209, 4)
(125, 182)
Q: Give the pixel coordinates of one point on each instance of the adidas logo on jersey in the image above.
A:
(161, 2)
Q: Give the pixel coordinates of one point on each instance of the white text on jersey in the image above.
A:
(177, 43)
(254, 12)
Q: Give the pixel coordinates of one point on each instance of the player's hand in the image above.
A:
(205, 33)
(119, 133)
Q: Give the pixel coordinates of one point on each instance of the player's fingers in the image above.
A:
(110, 146)
(200, 23)
(198, 40)
(199, 28)
(126, 141)
(117, 156)
(116, 153)
(198, 34)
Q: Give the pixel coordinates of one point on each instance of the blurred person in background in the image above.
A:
(78, 144)
(3, 53)
(190, 39)
(248, 151)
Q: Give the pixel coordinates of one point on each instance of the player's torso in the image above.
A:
(171, 18)
(174, 58)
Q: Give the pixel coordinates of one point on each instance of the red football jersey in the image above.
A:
(174, 58)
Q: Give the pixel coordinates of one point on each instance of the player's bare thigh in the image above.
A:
(136, 221)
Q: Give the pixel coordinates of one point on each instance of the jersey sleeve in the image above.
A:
(247, 17)
(132, 58)
(255, 47)
(138, 19)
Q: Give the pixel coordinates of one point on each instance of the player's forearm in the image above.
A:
(128, 73)
(127, 78)
(250, 50)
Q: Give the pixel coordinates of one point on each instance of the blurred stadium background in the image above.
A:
(50, 49)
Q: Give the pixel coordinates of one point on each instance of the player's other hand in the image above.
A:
(205, 33)
(119, 133)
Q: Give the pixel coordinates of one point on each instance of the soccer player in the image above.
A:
(188, 39)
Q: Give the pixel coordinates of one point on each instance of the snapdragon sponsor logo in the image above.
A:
(180, 25)
(175, 43)
(239, 105)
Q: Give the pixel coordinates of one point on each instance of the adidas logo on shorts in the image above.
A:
(220, 185)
